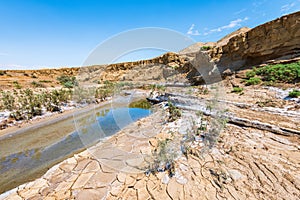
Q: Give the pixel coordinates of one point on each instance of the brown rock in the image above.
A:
(91, 194)
(82, 180)
(274, 40)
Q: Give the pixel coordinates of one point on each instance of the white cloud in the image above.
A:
(232, 24)
(191, 30)
(287, 7)
(240, 11)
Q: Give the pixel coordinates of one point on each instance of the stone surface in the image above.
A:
(277, 39)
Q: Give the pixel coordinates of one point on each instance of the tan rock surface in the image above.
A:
(246, 163)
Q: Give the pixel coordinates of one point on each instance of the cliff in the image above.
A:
(275, 40)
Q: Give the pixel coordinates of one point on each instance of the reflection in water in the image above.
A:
(21, 167)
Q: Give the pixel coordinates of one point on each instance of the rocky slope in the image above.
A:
(275, 40)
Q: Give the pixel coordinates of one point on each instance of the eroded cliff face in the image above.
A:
(275, 40)
(161, 69)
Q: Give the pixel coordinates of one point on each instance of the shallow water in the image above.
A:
(21, 167)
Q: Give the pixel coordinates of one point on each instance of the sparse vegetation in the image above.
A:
(287, 73)
(174, 112)
(67, 81)
(17, 85)
(37, 84)
(163, 156)
(106, 90)
(238, 90)
(294, 93)
(253, 81)
(45, 81)
(250, 74)
(25, 104)
(160, 88)
(205, 91)
(7, 101)
(270, 74)
(205, 48)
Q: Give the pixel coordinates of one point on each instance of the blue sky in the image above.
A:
(58, 33)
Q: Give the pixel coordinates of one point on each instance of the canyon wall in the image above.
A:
(275, 40)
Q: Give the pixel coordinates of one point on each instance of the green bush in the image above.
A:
(250, 74)
(7, 101)
(174, 112)
(253, 81)
(37, 84)
(287, 73)
(237, 90)
(294, 94)
(45, 81)
(67, 81)
(205, 48)
(17, 85)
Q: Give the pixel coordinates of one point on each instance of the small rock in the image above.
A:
(235, 174)
(165, 179)
(180, 179)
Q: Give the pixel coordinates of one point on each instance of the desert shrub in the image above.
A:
(237, 90)
(28, 105)
(253, 81)
(37, 84)
(17, 85)
(174, 112)
(287, 73)
(294, 93)
(205, 48)
(7, 101)
(156, 87)
(2, 72)
(205, 91)
(125, 84)
(45, 81)
(85, 95)
(106, 90)
(163, 156)
(250, 74)
(67, 81)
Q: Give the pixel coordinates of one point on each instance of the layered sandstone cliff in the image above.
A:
(275, 40)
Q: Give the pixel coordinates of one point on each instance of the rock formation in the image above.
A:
(275, 40)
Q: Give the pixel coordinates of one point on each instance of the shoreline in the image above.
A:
(67, 114)
(36, 135)
(93, 151)
(47, 120)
